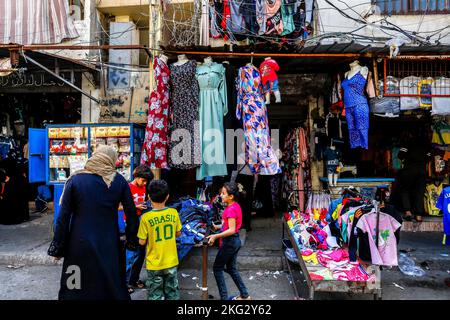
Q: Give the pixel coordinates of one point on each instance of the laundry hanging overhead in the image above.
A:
(35, 22)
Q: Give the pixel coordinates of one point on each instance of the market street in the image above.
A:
(26, 272)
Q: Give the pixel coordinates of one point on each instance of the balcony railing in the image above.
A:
(412, 7)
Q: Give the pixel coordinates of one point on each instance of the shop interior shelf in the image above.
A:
(68, 153)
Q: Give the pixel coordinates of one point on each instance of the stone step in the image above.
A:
(429, 224)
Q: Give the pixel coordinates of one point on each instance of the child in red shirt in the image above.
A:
(135, 259)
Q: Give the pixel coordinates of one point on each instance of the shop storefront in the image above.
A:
(32, 98)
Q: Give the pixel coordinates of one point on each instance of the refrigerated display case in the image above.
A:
(59, 150)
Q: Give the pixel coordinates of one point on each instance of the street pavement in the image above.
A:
(26, 272)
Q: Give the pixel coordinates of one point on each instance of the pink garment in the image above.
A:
(307, 252)
(326, 258)
(268, 69)
(352, 272)
(234, 212)
(386, 253)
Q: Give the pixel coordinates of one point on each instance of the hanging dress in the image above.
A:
(252, 110)
(184, 148)
(213, 107)
(356, 111)
(154, 149)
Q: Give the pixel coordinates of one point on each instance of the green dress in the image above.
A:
(213, 107)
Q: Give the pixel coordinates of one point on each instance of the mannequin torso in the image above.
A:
(355, 67)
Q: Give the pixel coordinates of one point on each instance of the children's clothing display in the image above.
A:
(432, 193)
(443, 204)
(296, 169)
(268, 70)
(409, 85)
(332, 157)
(440, 105)
(387, 106)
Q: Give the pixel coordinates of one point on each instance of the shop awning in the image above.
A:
(28, 22)
(307, 58)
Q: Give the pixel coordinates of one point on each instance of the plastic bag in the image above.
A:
(408, 267)
(291, 255)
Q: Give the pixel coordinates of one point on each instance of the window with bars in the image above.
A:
(398, 7)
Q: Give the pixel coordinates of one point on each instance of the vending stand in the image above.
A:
(61, 149)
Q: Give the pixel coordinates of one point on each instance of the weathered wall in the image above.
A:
(128, 105)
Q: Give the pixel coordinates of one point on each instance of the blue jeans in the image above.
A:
(226, 261)
(135, 261)
(271, 86)
(385, 105)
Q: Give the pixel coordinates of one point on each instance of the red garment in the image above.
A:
(138, 194)
(154, 149)
(226, 18)
(268, 70)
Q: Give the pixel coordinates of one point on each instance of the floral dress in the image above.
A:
(154, 149)
(185, 152)
(252, 110)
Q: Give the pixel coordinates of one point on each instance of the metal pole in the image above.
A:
(60, 78)
(205, 294)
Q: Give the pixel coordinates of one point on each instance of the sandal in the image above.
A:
(130, 290)
(240, 298)
(139, 284)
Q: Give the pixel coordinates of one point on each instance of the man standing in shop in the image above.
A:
(411, 179)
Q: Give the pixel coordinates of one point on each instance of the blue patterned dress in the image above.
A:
(252, 110)
(356, 111)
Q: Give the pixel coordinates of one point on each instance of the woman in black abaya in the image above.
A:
(87, 232)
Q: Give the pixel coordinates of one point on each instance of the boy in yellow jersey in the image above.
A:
(159, 229)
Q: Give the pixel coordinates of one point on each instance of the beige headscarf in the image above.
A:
(102, 163)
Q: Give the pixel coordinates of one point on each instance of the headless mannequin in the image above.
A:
(182, 59)
(355, 67)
